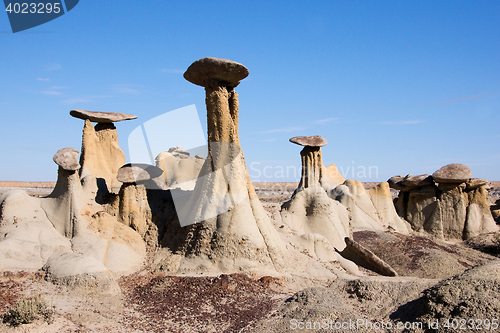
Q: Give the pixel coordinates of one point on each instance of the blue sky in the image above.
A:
(398, 86)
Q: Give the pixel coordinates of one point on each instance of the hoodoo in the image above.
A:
(223, 225)
(101, 155)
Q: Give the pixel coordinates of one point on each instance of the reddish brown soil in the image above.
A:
(198, 304)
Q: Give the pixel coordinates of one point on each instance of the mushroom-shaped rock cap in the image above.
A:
(474, 183)
(136, 172)
(396, 182)
(227, 71)
(418, 181)
(101, 117)
(452, 173)
(67, 158)
(311, 141)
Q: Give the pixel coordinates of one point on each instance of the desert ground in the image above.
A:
(153, 301)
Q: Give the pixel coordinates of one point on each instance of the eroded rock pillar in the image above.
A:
(312, 161)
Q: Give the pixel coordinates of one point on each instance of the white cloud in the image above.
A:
(285, 130)
(124, 89)
(459, 99)
(84, 99)
(324, 121)
(402, 122)
(172, 71)
(53, 67)
(52, 92)
(77, 100)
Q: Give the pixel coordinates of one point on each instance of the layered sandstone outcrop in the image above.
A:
(448, 205)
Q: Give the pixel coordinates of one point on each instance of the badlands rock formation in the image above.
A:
(133, 204)
(223, 225)
(67, 233)
(321, 205)
(312, 162)
(448, 205)
(101, 155)
(179, 169)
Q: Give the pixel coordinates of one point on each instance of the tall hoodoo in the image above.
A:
(63, 205)
(312, 161)
(101, 155)
(223, 222)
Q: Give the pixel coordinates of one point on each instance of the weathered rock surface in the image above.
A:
(453, 205)
(67, 158)
(101, 117)
(179, 169)
(64, 204)
(134, 208)
(80, 273)
(456, 208)
(332, 173)
(27, 237)
(41, 232)
(420, 256)
(418, 181)
(423, 211)
(312, 211)
(101, 155)
(309, 141)
(369, 257)
(381, 198)
(487, 242)
(452, 173)
(474, 183)
(354, 305)
(473, 294)
(226, 71)
(479, 218)
(137, 172)
(312, 168)
(223, 226)
(396, 182)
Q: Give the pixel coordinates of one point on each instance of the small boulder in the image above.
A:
(396, 183)
(453, 173)
(67, 158)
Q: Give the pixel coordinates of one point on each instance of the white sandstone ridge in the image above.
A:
(448, 205)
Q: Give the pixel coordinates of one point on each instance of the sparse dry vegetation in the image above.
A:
(28, 310)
